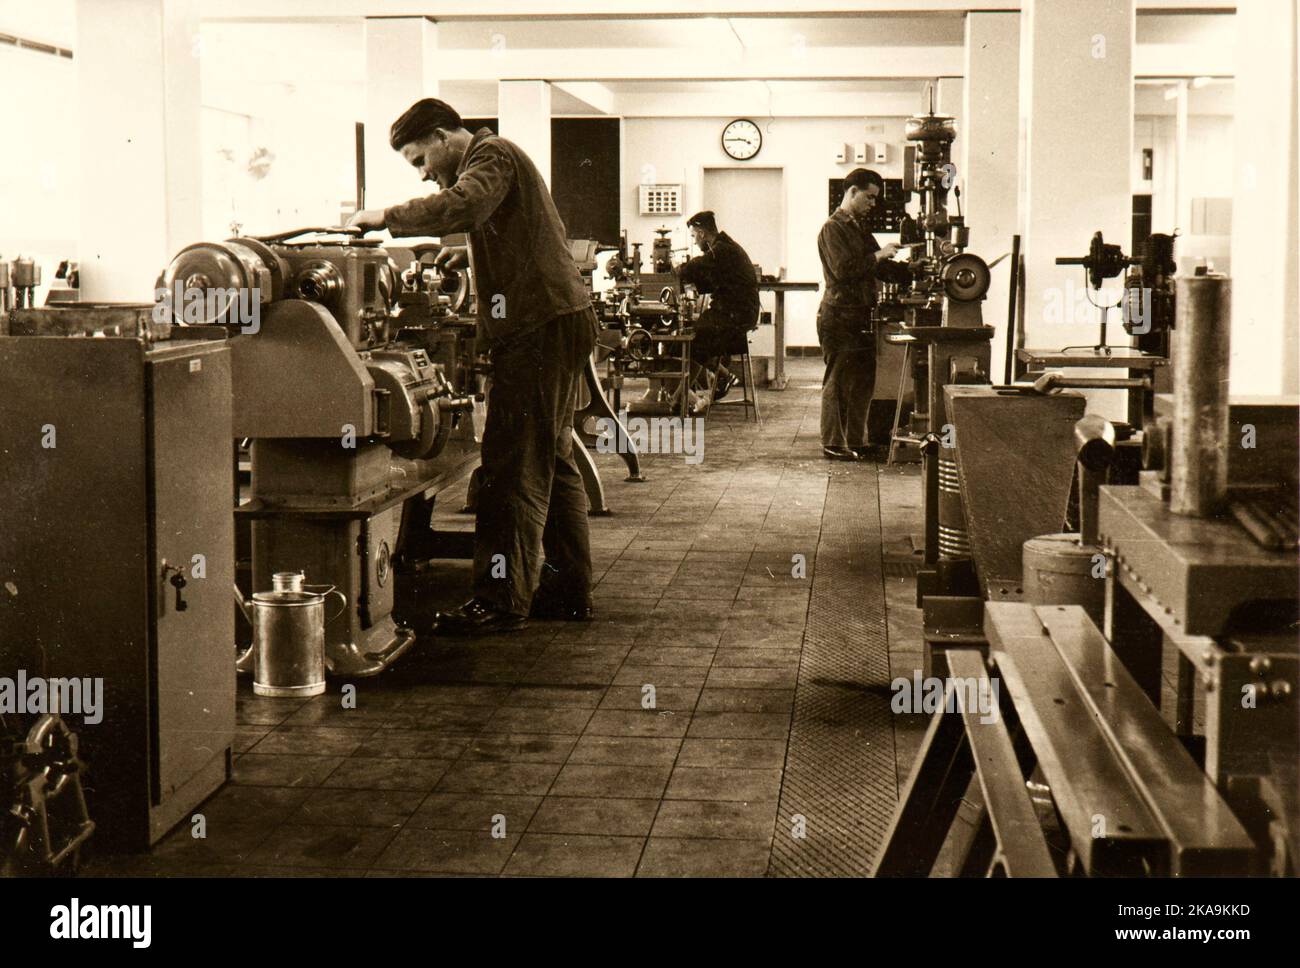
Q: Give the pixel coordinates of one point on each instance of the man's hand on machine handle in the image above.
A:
(452, 257)
(368, 220)
(887, 252)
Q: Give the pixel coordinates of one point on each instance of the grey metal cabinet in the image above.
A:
(117, 560)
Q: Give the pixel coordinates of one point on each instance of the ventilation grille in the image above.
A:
(661, 199)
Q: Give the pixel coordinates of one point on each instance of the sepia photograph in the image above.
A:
(425, 430)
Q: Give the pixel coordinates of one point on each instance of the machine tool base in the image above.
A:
(379, 648)
(314, 689)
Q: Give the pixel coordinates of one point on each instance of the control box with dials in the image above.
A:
(888, 213)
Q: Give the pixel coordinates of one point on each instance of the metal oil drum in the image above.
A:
(1058, 570)
(289, 641)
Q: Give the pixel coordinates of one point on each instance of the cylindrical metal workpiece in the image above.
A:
(26, 273)
(1058, 570)
(1199, 448)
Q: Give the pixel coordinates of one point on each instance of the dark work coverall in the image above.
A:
(844, 327)
(726, 273)
(535, 315)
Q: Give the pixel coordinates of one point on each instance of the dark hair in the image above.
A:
(703, 220)
(860, 178)
(420, 119)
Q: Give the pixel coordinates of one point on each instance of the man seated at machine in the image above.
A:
(535, 315)
(852, 261)
(724, 272)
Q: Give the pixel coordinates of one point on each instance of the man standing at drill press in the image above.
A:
(535, 315)
(852, 260)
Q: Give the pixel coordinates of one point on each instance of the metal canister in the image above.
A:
(1198, 457)
(1058, 570)
(289, 642)
(954, 539)
(26, 273)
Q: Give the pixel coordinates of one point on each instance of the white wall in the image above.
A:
(671, 150)
(40, 164)
(1266, 200)
(295, 91)
(1206, 168)
(306, 174)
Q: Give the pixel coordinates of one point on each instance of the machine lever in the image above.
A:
(311, 230)
(1094, 438)
(1057, 380)
(457, 404)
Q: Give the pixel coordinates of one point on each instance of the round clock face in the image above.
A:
(741, 139)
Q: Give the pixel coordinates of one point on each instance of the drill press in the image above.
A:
(947, 340)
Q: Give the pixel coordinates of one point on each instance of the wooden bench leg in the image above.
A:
(925, 813)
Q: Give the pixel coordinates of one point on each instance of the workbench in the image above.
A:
(780, 287)
(1189, 583)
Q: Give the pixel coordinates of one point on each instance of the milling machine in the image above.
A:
(355, 425)
(1146, 305)
(648, 318)
(650, 338)
(946, 339)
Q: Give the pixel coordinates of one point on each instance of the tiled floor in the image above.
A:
(651, 742)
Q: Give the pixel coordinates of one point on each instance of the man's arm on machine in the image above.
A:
(699, 272)
(479, 189)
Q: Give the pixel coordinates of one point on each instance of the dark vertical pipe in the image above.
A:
(930, 496)
(361, 165)
(1008, 374)
(1017, 369)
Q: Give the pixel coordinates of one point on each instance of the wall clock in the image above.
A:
(741, 139)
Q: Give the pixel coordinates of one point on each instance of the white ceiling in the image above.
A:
(324, 61)
(707, 32)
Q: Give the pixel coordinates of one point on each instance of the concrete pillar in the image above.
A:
(141, 163)
(1265, 270)
(1076, 116)
(524, 114)
(989, 159)
(399, 71)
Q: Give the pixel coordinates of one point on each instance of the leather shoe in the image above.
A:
(551, 608)
(839, 453)
(726, 381)
(477, 617)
